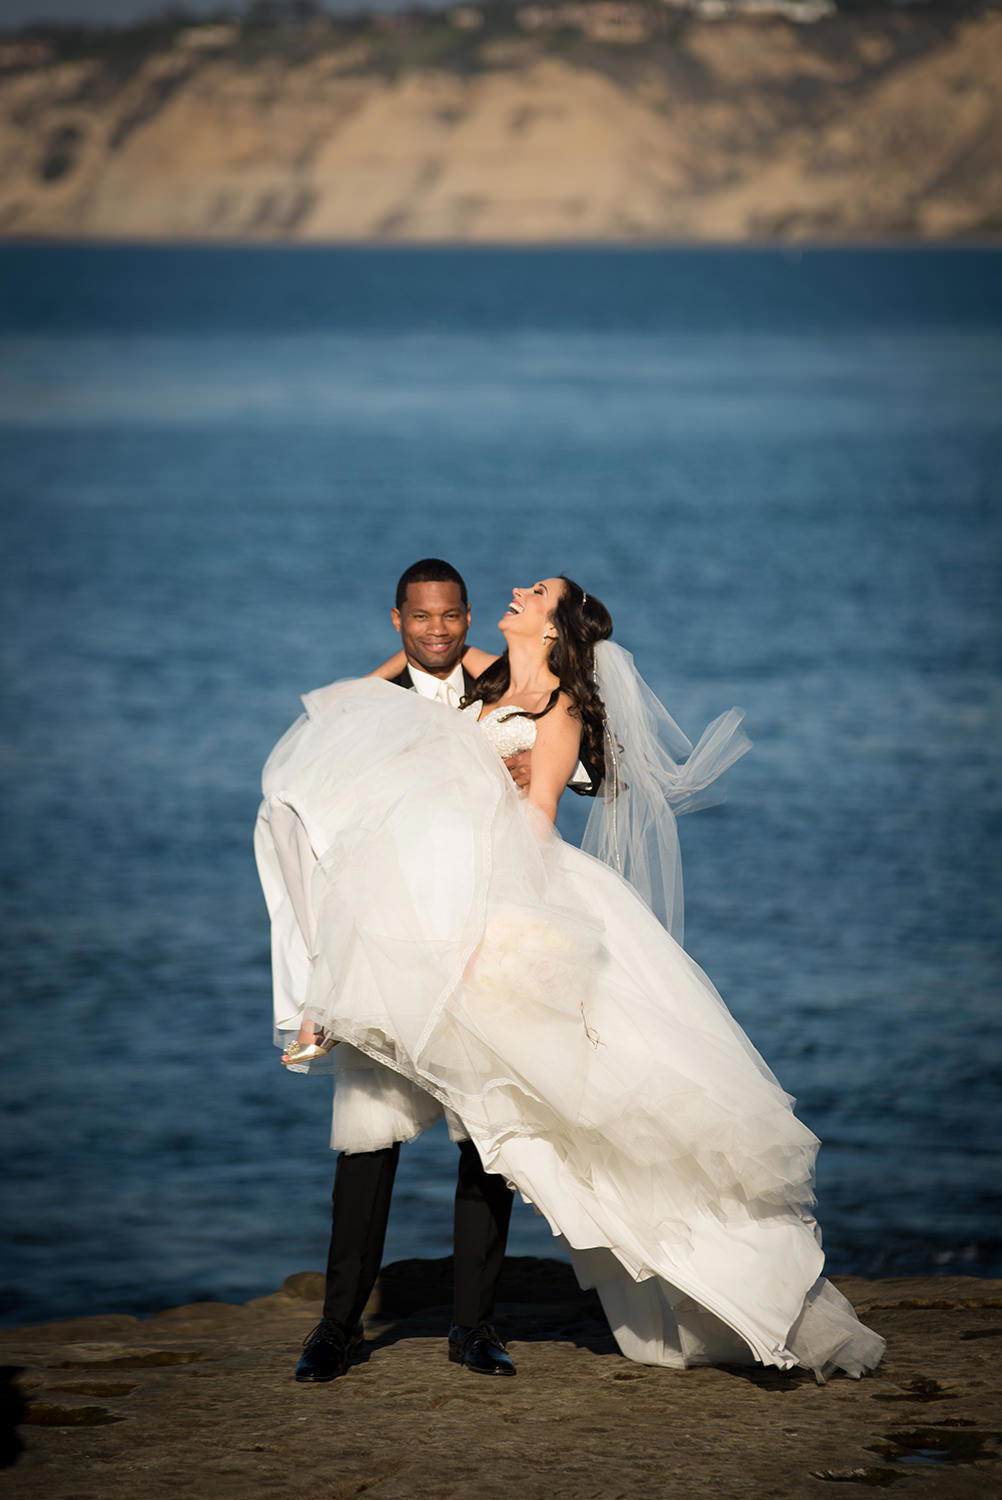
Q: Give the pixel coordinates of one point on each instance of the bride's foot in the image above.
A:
(307, 1047)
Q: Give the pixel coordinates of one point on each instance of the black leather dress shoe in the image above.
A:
(479, 1349)
(327, 1351)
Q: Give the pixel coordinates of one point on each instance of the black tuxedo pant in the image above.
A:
(360, 1209)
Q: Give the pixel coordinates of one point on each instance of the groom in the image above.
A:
(375, 1109)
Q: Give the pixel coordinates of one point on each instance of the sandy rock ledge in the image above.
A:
(200, 1400)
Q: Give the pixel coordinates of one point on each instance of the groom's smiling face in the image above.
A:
(433, 621)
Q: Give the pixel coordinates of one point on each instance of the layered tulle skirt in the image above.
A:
(525, 986)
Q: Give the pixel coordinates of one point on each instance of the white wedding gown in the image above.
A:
(526, 986)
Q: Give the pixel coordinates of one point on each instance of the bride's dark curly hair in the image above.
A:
(580, 621)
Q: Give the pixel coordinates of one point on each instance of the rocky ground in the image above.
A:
(606, 120)
(200, 1401)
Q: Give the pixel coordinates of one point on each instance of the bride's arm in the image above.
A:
(391, 668)
(477, 661)
(554, 756)
(474, 660)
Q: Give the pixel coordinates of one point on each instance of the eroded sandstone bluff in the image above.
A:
(200, 1401)
(608, 120)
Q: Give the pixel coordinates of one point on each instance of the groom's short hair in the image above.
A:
(430, 570)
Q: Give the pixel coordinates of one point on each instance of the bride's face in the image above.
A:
(529, 613)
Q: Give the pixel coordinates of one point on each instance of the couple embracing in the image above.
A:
(427, 918)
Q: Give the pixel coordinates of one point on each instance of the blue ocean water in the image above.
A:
(780, 470)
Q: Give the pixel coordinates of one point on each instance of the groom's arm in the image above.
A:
(520, 769)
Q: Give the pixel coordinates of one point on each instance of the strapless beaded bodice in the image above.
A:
(507, 730)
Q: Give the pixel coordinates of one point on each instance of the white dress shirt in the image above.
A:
(443, 689)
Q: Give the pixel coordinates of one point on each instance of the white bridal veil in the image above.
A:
(652, 773)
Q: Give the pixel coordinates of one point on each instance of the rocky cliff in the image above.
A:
(618, 120)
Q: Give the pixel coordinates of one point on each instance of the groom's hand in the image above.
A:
(520, 769)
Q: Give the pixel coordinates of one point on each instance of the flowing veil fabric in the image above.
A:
(632, 824)
(417, 915)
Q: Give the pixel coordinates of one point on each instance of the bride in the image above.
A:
(535, 989)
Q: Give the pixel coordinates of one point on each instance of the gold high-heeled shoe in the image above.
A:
(303, 1052)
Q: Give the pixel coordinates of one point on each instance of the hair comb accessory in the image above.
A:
(584, 600)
